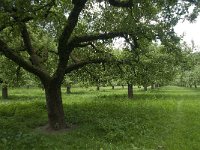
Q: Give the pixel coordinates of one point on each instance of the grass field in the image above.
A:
(163, 119)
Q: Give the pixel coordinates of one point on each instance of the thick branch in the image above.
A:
(83, 44)
(95, 48)
(27, 17)
(64, 49)
(89, 44)
(24, 20)
(89, 38)
(9, 53)
(26, 39)
(71, 24)
(120, 3)
(48, 6)
(81, 64)
(35, 59)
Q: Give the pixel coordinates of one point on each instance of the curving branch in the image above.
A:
(27, 17)
(26, 39)
(121, 3)
(83, 44)
(12, 55)
(89, 38)
(47, 5)
(88, 44)
(23, 20)
(81, 64)
(70, 25)
(64, 49)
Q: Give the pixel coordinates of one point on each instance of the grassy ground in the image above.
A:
(164, 119)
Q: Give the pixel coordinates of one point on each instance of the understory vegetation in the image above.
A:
(162, 119)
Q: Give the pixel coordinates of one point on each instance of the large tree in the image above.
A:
(71, 25)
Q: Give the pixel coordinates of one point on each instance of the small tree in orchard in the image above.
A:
(71, 25)
(158, 66)
(147, 65)
(10, 75)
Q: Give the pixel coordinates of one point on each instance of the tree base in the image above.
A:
(46, 129)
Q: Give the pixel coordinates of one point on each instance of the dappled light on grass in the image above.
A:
(166, 118)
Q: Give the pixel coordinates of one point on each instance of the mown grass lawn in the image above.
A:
(163, 119)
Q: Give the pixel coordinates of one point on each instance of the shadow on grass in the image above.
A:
(23, 98)
(149, 96)
(76, 93)
(100, 121)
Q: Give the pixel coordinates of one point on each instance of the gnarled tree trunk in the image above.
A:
(54, 107)
(130, 91)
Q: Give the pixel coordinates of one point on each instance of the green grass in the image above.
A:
(163, 119)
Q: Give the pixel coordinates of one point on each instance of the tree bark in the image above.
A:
(157, 85)
(195, 85)
(113, 87)
(55, 107)
(152, 86)
(130, 91)
(98, 87)
(4, 92)
(68, 89)
(145, 87)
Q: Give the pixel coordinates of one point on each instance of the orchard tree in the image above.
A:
(71, 25)
(189, 73)
(157, 66)
(148, 64)
(10, 75)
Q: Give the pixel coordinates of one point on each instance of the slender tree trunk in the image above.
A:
(98, 87)
(55, 107)
(4, 91)
(152, 86)
(130, 91)
(113, 87)
(195, 85)
(145, 87)
(157, 85)
(68, 89)
(122, 86)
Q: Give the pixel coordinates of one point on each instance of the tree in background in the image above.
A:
(10, 75)
(188, 71)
